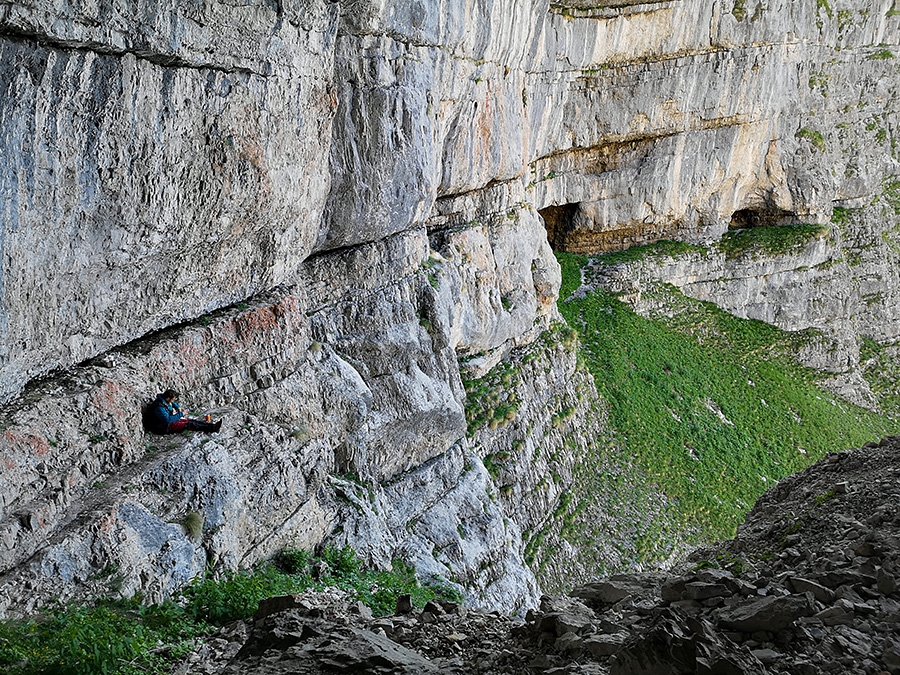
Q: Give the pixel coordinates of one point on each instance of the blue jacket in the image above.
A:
(161, 414)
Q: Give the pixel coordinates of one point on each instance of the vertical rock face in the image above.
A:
(159, 162)
(311, 215)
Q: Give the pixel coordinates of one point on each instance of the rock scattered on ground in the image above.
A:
(809, 585)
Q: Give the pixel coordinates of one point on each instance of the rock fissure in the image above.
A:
(14, 34)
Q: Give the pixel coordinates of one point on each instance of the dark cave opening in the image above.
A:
(558, 222)
(746, 218)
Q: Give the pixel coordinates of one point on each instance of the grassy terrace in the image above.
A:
(127, 638)
(711, 406)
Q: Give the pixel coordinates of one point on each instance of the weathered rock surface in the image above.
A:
(338, 376)
(199, 154)
(159, 162)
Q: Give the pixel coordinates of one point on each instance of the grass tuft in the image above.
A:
(891, 187)
(770, 240)
(813, 136)
(192, 523)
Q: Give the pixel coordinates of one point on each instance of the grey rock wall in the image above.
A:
(159, 161)
(199, 152)
(342, 374)
(446, 519)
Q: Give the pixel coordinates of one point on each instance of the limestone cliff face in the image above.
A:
(312, 215)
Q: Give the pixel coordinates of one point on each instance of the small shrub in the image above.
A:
(492, 467)
(813, 136)
(342, 560)
(236, 595)
(819, 81)
(292, 561)
(840, 216)
(844, 19)
(301, 433)
(891, 192)
(192, 523)
(824, 497)
(432, 266)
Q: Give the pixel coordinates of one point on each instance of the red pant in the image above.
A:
(178, 425)
(191, 425)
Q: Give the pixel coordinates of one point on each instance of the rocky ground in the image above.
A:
(808, 586)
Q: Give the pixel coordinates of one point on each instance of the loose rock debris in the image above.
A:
(809, 585)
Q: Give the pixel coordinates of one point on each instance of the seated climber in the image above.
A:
(164, 416)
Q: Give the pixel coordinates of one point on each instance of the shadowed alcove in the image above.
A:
(760, 217)
(558, 221)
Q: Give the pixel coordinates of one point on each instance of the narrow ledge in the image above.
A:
(15, 34)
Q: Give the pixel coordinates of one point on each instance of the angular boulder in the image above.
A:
(770, 614)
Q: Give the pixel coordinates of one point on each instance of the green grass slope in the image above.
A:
(711, 406)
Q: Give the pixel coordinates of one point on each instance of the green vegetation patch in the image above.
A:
(844, 19)
(881, 368)
(110, 637)
(571, 265)
(891, 193)
(658, 250)
(770, 240)
(881, 54)
(819, 81)
(841, 216)
(123, 637)
(491, 400)
(712, 407)
(813, 136)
